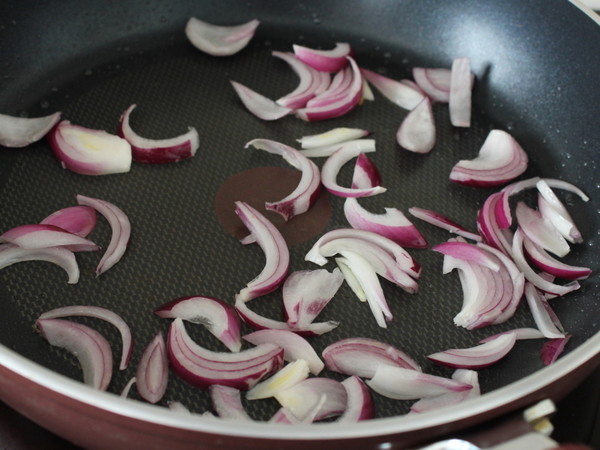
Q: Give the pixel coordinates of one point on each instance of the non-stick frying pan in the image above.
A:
(537, 70)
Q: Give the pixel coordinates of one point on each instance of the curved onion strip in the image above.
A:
(21, 131)
(10, 254)
(534, 278)
(290, 375)
(89, 152)
(551, 265)
(307, 292)
(340, 105)
(258, 322)
(273, 245)
(544, 317)
(333, 165)
(359, 403)
(152, 372)
(332, 137)
(459, 99)
(90, 347)
(393, 224)
(324, 60)
(482, 355)
(294, 346)
(406, 384)
(500, 159)
(349, 277)
(434, 81)
(306, 193)
(397, 92)
(362, 145)
(127, 388)
(365, 174)
(467, 252)
(520, 334)
(540, 231)
(441, 221)
(43, 236)
(98, 313)
(488, 227)
(227, 402)
(553, 348)
(121, 231)
(158, 151)
(417, 130)
(218, 317)
(554, 210)
(285, 416)
(452, 398)
(302, 398)
(219, 40)
(262, 107)
(79, 220)
(311, 82)
(361, 356)
(337, 89)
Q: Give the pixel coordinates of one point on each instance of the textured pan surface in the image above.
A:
(97, 63)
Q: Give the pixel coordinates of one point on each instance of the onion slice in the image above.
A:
(290, 375)
(332, 137)
(274, 247)
(401, 94)
(227, 402)
(443, 222)
(359, 401)
(324, 60)
(520, 334)
(540, 231)
(500, 160)
(365, 174)
(262, 107)
(79, 220)
(435, 82)
(306, 193)
(89, 152)
(362, 145)
(553, 348)
(551, 265)
(121, 231)
(98, 313)
(90, 347)
(417, 130)
(43, 236)
(19, 132)
(543, 315)
(158, 151)
(452, 398)
(554, 210)
(152, 372)
(302, 398)
(217, 40)
(215, 315)
(482, 355)
(459, 99)
(10, 254)
(467, 252)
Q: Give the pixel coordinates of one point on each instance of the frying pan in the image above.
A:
(536, 65)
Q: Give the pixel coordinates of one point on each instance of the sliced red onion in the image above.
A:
(324, 60)
(540, 231)
(520, 334)
(452, 398)
(467, 252)
(290, 375)
(127, 388)
(227, 402)
(367, 93)
(152, 372)
(79, 220)
(307, 292)
(333, 165)
(459, 99)
(339, 105)
(402, 257)
(365, 174)
(89, 152)
(202, 367)
(397, 92)
(337, 89)
(21, 131)
(90, 347)
(435, 82)
(217, 40)
(218, 317)
(121, 231)
(488, 227)
(98, 313)
(543, 315)
(274, 247)
(302, 398)
(332, 137)
(294, 347)
(407, 384)
(306, 193)
(553, 348)
(310, 84)
(551, 265)
(441, 221)
(482, 355)
(262, 107)
(174, 405)
(285, 416)
(393, 224)
(362, 145)
(349, 277)
(359, 403)
(533, 277)
(500, 160)
(158, 151)
(43, 236)
(258, 322)
(417, 130)
(553, 209)
(361, 357)
(10, 254)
